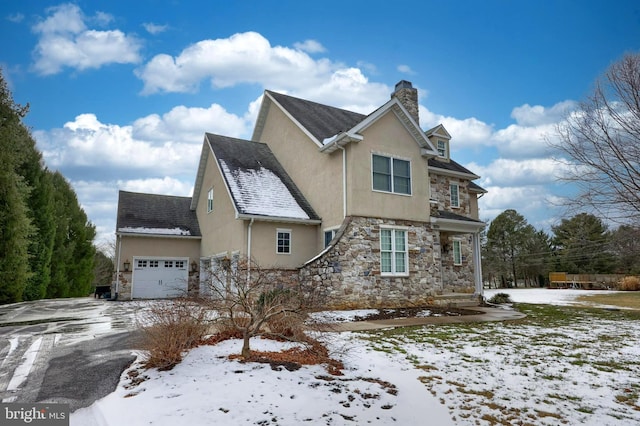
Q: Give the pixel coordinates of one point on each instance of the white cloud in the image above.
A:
(144, 146)
(250, 58)
(534, 202)
(465, 133)
(527, 115)
(511, 172)
(405, 69)
(154, 28)
(65, 41)
(310, 46)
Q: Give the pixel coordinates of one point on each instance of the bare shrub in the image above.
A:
(170, 328)
(629, 284)
(254, 301)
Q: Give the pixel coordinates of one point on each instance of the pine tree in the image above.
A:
(15, 226)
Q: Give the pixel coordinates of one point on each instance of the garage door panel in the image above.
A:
(159, 278)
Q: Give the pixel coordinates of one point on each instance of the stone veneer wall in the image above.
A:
(441, 190)
(347, 274)
(458, 278)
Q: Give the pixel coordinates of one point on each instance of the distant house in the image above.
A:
(369, 210)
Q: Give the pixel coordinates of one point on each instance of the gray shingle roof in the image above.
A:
(476, 188)
(258, 183)
(322, 121)
(445, 214)
(449, 165)
(156, 214)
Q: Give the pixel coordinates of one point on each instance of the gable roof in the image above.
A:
(321, 121)
(439, 131)
(329, 127)
(257, 183)
(159, 215)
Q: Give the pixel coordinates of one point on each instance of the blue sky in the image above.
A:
(122, 92)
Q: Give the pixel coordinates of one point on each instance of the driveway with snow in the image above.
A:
(64, 350)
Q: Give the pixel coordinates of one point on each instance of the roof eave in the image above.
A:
(245, 216)
(142, 234)
(453, 225)
(469, 176)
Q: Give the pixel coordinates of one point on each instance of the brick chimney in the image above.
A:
(408, 97)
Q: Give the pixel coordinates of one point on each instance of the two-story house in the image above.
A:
(368, 210)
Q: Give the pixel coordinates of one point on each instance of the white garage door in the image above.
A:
(155, 278)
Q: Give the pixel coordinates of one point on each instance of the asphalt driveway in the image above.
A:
(65, 350)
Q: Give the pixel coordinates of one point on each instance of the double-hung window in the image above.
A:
(457, 252)
(210, 201)
(393, 252)
(455, 195)
(283, 241)
(391, 174)
(442, 148)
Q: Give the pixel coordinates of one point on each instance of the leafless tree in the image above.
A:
(252, 300)
(601, 142)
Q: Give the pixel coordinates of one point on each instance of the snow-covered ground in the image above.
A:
(577, 371)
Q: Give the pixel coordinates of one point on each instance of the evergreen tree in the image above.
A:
(583, 245)
(73, 250)
(40, 212)
(508, 239)
(15, 226)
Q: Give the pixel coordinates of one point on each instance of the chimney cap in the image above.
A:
(403, 84)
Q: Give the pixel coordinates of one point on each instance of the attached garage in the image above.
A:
(156, 278)
(157, 247)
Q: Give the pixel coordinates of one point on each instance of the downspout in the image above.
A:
(119, 238)
(249, 250)
(344, 180)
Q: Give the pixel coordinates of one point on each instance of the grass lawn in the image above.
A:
(558, 366)
(629, 299)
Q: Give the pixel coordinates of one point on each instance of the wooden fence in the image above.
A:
(595, 281)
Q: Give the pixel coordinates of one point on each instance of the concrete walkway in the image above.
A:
(487, 314)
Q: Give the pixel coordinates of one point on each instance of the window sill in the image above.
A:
(392, 275)
(390, 192)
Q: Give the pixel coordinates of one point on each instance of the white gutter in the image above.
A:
(344, 181)
(340, 140)
(278, 219)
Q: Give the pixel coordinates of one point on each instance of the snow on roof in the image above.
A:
(157, 231)
(262, 192)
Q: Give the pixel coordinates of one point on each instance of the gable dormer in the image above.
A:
(440, 139)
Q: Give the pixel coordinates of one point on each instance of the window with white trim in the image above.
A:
(328, 236)
(455, 195)
(442, 148)
(457, 252)
(283, 241)
(391, 174)
(210, 201)
(393, 252)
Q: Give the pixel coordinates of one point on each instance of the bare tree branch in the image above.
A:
(601, 141)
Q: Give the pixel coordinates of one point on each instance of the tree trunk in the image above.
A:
(246, 351)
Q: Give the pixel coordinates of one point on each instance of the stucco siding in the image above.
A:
(387, 137)
(317, 175)
(220, 229)
(264, 248)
